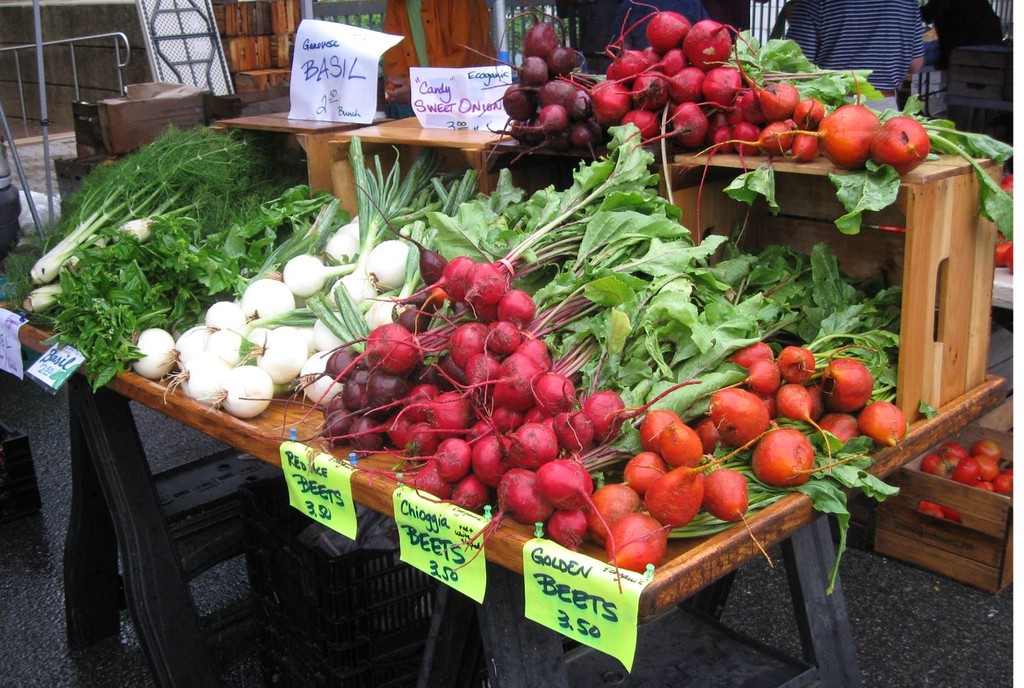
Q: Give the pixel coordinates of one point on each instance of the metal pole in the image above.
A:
(498, 22)
(20, 170)
(43, 121)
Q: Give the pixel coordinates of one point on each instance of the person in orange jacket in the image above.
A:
(442, 33)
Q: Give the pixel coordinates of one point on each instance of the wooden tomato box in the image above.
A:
(931, 241)
(977, 551)
(981, 71)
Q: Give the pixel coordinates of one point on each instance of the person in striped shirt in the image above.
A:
(883, 36)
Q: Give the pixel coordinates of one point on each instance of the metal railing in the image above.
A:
(122, 55)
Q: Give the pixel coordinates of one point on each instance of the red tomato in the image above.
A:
(1006, 183)
(1003, 251)
(985, 485)
(1003, 484)
(989, 468)
(987, 447)
(953, 452)
(1009, 260)
(941, 468)
(930, 462)
(930, 508)
(967, 471)
(950, 514)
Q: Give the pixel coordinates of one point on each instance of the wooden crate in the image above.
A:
(261, 102)
(246, 53)
(261, 79)
(220, 18)
(88, 132)
(282, 46)
(285, 16)
(248, 18)
(941, 252)
(984, 72)
(978, 551)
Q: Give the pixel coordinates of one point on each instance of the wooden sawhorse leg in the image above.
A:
(518, 652)
(107, 451)
(822, 620)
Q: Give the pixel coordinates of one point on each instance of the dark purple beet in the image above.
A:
(449, 368)
(338, 424)
(586, 134)
(384, 388)
(366, 434)
(533, 72)
(432, 266)
(580, 107)
(556, 92)
(353, 395)
(540, 39)
(553, 119)
(338, 362)
(562, 60)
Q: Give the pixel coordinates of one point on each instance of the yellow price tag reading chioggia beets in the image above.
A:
(443, 540)
(320, 486)
(583, 598)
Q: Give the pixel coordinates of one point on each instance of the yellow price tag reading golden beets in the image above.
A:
(443, 540)
(320, 486)
(582, 598)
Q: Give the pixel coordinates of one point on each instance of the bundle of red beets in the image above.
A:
(474, 405)
(690, 88)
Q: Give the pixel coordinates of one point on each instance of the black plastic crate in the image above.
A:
(358, 619)
(19, 491)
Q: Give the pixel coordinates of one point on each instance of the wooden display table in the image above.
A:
(114, 498)
(312, 135)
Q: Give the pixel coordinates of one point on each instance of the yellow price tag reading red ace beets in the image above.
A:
(443, 540)
(320, 486)
(582, 598)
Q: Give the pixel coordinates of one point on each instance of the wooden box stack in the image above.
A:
(983, 72)
(258, 37)
(88, 133)
(930, 240)
(977, 551)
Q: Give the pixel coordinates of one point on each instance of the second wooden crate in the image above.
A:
(978, 550)
(931, 241)
(983, 72)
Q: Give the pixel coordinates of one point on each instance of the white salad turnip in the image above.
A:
(386, 264)
(284, 354)
(323, 338)
(318, 387)
(191, 342)
(305, 275)
(248, 391)
(343, 247)
(158, 353)
(204, 377)
(225, 315)
(265, 298)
